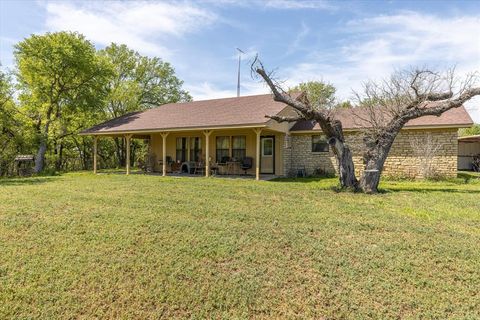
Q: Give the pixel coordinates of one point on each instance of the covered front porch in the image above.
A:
(254, 152)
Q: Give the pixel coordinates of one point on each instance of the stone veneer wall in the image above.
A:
(401, 161)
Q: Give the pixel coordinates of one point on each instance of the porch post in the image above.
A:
(257, 131)
(207, 134)
(127, 138)
(164, 153)
(95, 138)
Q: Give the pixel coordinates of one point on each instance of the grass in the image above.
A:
(112, 246)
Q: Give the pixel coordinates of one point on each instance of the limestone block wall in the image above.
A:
(403, 160)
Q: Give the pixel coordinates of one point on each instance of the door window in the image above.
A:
(267, 147)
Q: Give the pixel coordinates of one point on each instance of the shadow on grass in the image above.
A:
(408, 187)
(303, 180)
(425, 190)
(26, 180)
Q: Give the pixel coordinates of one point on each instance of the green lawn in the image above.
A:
(115, 246)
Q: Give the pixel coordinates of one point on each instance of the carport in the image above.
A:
(468, 148)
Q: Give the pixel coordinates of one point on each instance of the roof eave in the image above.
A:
(419, 127)
(158, 130)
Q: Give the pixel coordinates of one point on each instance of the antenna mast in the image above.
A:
(238, 74)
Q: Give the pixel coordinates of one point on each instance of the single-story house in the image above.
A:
(468, 148)
(231, 129)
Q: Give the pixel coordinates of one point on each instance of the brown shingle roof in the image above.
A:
(352, 120)
(247, 110)
(242, 111)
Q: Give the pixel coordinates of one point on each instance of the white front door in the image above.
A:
(267, 155)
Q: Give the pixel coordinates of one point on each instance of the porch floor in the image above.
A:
(263, 177)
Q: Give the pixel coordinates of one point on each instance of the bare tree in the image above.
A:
(425, 149)
(385, 108)
(389, 104)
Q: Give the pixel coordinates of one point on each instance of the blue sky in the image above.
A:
(341, 42)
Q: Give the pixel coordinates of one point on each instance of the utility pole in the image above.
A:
(238, 74)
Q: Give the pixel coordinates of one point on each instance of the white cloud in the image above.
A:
(296, 43)
(140, 25)
(275, 4)
(207, 90)
(379, 45)
(299, 4)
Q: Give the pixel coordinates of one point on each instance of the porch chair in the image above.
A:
(199, 167)
(246, 164)
(222, 165)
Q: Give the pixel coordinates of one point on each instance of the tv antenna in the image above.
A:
(240, 52)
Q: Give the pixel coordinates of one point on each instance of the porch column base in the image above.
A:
(127, 138)
(257, 131)
(95, 139)
(207, 134)
(164, 153)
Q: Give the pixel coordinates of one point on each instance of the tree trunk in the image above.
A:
(119, 145)
(40, 158)
(371, 178)
(59, 161)
(346, 168)
(375, 157)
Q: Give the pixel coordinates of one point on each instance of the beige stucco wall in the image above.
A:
(250, 136)
(401, 162)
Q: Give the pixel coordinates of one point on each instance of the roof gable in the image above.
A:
(238, 111)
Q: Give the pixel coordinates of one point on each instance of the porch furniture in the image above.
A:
(214, 168)
(199, 167)
(301, 172)
(246, 164)
(232, 167)
(176, 167)
(169, 163)
(150, 162)
(222, 165)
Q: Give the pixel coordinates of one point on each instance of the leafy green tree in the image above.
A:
(8, 128)
(139, 83)
(472, 131)
(319, 94)
(59, 76)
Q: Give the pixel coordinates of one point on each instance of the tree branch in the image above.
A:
(285, 119)
(308, 113)
(447, 105)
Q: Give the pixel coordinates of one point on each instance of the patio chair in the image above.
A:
(222, 165)
(246, 164)
(199, 167)
(301, 172)
(213, 168)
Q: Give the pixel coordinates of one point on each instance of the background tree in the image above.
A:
(472, 131)
(426, 148)
(139, 83)
(10, 136)
(386, 107)
(320, 95)
(59, 75)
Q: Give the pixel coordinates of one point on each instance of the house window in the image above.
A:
(319, 144)
(223, 147)
(195, 149)
(267, 147)
(181, 154)
(239, 149)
